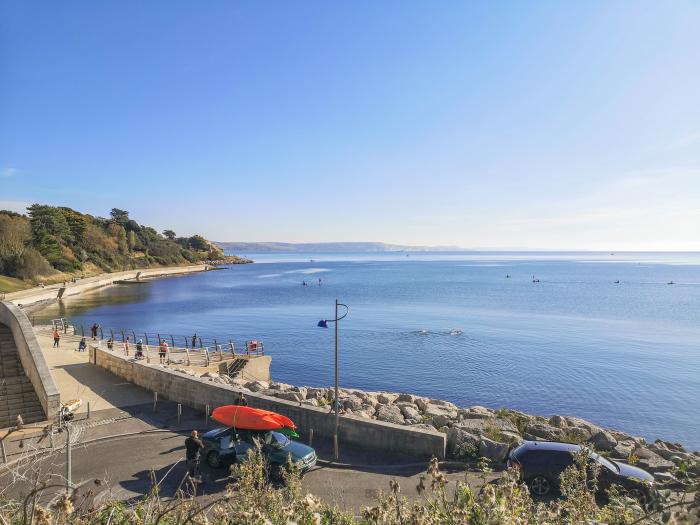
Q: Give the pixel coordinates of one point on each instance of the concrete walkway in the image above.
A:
(75, 377)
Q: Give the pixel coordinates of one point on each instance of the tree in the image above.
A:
(119, 216)
(169, 234)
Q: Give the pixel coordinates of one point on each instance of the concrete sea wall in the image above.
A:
(31, 357)
(58, 291)
(198, 392)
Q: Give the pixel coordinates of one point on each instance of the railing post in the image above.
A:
(172, 340)
(200, 342)
(187, 351)
(206, 356)
(82, 331)
(134, 334)
(88, 410)
(186, 343)
(111, 334)
(148, 355)
(233, 351)
(145, 335)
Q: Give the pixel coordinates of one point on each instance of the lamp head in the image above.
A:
(323, 323)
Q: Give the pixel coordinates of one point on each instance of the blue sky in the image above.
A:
(490, 124)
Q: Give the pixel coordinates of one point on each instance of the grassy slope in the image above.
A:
(10, 284)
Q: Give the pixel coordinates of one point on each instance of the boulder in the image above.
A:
(444, 404)
(407, 398)
(410, 412)
(458, 436)
(301, 389)
(542, 431)
(256, 386)
(444, 413)
(280, 386)
(365, 412)
(469, 414)
(352, 403)
(315, 393)
(288, 395)
(623, 449)
(603, 441)
(584, 428)
(386, 398)
(493, 450)
(480, 426)
(654, 463)
(211, 375)
(390, 414)
(313, 402)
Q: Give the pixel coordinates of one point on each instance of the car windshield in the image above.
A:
(278, 440)
(605, 462)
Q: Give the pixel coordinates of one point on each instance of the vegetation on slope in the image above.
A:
(251, 499)
(51, 239)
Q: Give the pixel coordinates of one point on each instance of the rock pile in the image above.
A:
(479, 431)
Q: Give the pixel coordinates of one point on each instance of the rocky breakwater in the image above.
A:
(477, 431)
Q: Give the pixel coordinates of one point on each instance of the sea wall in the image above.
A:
(31, 357)
(58, 291)
(197, 392)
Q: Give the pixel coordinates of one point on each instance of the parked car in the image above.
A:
(540, 464)
(224, 446)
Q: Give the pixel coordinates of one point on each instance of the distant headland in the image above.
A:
(328, 247)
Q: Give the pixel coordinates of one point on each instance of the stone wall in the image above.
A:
(196, 392)
(31, 357)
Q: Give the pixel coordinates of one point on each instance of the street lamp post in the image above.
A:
(323, 323)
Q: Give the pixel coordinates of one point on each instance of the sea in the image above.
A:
(610, 337)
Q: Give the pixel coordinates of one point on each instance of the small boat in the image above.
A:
(617, 282)
(670, 282)
(508, 276)
(249, 418)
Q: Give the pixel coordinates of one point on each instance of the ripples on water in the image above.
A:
(453, 326)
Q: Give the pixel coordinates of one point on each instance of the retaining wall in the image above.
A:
(31, 357)
(198, 392)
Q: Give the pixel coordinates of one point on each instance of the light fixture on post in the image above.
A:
(323, 323)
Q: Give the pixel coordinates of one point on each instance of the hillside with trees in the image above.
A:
(51, 241)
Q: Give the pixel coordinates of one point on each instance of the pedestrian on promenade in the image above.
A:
(193, 445)
(162, 350)
(82, 345)
(241, 400)
(139, 349)
(110, 344)
(194, 340)
(56, 337)
(94, 329)
(126, 346)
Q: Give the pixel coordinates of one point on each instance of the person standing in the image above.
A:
(194, 340)
(56, 337)
(126, 346)
(139, 349)
(193, 445)
(94, 329)
(241, 400)
(163, 350)
(82, 345)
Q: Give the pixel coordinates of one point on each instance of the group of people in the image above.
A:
(304, 283)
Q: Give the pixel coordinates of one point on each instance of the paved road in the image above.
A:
(123, 467)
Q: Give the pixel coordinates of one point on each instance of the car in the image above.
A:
(227, 445)
(540, 463)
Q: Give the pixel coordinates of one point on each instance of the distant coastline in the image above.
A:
(328, 247)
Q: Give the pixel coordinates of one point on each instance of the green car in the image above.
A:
(224, 446)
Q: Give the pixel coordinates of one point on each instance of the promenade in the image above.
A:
(40, 294)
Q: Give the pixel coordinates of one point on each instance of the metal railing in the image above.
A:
(181, 347)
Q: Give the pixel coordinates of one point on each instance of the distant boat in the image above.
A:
(508, 276)
(670, 282)
(311, 260)
(535, 279)
(617, 282)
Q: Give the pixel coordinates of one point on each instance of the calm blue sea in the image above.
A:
(453, 326)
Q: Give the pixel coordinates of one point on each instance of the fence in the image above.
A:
(190, 350)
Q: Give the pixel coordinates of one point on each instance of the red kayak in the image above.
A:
(250, 418)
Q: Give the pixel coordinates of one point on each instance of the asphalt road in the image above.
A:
(123, 467)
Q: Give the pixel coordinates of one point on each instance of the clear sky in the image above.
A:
(480, 124)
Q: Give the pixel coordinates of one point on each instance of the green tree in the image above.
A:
(169, 234)
(119, 216)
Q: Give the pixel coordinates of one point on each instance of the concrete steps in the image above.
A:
(17, 396)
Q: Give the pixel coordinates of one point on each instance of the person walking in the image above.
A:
(194, 340)
(93, 330)
(139, 349)
(193, 446)
(126, 346)
(163, 350)
(56, 337)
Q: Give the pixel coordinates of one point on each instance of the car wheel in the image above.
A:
(540, 486)
(214, 459)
